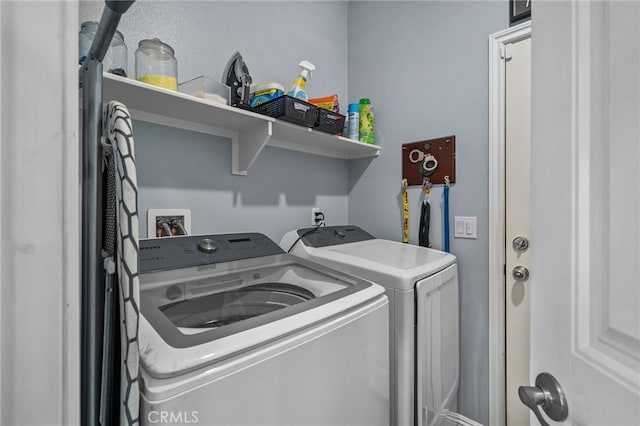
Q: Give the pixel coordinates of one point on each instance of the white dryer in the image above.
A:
(422, 286)
(234, 331)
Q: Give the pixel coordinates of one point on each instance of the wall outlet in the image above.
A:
(168, 222)
(317, 216)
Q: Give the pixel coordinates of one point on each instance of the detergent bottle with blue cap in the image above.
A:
(298, 88)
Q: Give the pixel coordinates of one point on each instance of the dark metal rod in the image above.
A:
(92, 271)
(106, 29)
(104, 34)
(119, 6)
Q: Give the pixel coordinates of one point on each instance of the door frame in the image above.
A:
(47, 345)
(497, 374)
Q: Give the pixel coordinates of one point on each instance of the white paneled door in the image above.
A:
(585, 263)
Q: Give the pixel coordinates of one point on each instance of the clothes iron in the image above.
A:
(236, 76)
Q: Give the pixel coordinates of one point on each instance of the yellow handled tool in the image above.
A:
(405, 211)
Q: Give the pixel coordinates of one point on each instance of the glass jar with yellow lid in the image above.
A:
(156, 64)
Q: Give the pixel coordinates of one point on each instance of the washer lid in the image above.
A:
(199, 315)
(389, 263)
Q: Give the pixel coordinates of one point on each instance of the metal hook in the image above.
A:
(404, 184)
(447, 181)
(426, 186)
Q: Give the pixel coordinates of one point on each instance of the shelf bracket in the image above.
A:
(246, 145)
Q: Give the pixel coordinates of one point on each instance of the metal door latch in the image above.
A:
(520, 273)
(520, 244)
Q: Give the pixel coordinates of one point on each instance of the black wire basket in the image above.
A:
(330, 122)
(290, 109)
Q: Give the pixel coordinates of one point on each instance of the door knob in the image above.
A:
(520, 244)
(547, 394)
(520, 273)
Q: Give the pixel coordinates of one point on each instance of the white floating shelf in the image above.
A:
(304, 139)
(248, 131)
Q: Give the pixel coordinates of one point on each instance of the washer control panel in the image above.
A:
(333, 235)
(159, 254)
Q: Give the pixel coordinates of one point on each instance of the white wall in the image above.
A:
(40, 209)
(425, 67)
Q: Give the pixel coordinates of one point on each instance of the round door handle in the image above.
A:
(520, 273)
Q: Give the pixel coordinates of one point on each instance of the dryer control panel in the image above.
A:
(333, 235)
(161, 254)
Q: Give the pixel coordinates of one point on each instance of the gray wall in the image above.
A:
(179, 169)
(272, 36)
(425, 67)
(193, 170)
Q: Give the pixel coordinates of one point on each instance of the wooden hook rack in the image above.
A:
(439, 152)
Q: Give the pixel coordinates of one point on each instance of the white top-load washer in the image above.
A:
(422, 286)
(234, 331)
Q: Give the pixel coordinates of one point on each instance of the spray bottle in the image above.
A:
(299, 84)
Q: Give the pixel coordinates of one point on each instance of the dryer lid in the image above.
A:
(390, 263)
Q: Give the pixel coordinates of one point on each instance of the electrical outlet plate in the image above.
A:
(154, 214)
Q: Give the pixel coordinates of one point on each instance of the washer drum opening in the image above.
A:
(220, 309)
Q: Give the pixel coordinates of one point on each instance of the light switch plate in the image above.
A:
(466, 227)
